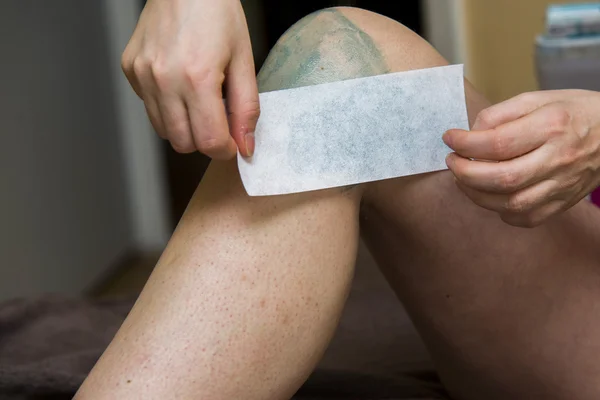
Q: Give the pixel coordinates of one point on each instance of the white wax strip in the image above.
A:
(354, 131)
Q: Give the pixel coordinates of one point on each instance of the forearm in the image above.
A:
(243, 301)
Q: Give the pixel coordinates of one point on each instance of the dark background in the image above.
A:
(279, 16)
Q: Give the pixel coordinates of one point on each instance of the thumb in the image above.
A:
(243, 105)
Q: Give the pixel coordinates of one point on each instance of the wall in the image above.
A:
(444, 28)
(64, 214)
(499, 40)
(142, 150)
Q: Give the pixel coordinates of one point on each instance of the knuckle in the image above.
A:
(212, 145)
(161, 73)
(461, 173)
(485, 117)
(568, 157)
(508, 181)
(572, 182)
(126, 62)
(181, 146)
(501, 144)
(517, 204)
(140, 66)
(177, 128)
(527, 97)
(180, 141)
(558, 120)
(249, 109)
(201, 77)
(252, 108)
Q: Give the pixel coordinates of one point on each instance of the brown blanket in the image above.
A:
(48, 346)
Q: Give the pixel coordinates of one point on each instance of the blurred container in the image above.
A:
(569, 20)
(568, 63)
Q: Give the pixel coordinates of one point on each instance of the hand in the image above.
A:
(543, 152)
(180, 56)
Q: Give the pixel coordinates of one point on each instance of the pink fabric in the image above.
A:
(596, 197)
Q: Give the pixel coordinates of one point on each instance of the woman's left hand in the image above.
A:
(541, 152)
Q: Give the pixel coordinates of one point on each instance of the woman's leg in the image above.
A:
(507, 313)
(249, 290)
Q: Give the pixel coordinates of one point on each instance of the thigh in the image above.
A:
(249, 290)
(506, 312)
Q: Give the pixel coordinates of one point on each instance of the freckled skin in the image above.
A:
(248, 292)
(226, 296)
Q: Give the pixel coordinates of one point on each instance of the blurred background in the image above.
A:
(90, 195)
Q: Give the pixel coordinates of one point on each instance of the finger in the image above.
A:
(513, 109)
(508, 140)
(521, 202)
(208, 120)
(176, 123)
(503, 177)
(135, 70)
(155, 118)
(536, 217)
(242, 102)
(127, 62)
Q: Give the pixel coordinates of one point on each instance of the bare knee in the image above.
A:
(323, 47)
(343, 43)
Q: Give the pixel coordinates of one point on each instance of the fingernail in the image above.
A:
(449, 160)
(249, 140)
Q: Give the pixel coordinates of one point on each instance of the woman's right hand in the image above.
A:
(181, 55)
